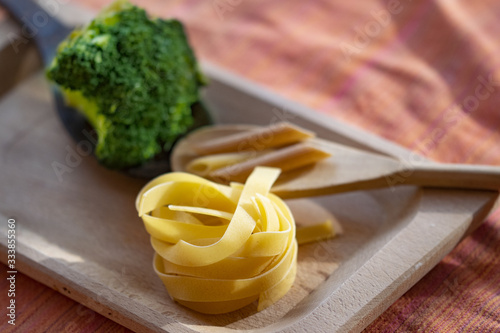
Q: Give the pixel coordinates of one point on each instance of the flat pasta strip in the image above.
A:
(288, 158)
(229, 268)
(205, 165)
(249, 254)
(173, 231)
(314, 233)
(276, 135)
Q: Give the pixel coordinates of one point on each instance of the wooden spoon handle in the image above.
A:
(37, 24)
(465, 176)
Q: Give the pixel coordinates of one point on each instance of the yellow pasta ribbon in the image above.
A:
(219, 248)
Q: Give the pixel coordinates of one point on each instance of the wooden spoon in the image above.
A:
(349, 169)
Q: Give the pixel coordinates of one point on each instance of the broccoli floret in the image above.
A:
(134, 78)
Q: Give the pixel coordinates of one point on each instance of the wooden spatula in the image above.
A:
(347, 169)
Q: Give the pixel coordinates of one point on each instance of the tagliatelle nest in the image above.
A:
(218, 247)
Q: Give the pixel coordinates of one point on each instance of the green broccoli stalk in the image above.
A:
(135, 80)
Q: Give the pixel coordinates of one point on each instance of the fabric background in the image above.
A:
(424, 74)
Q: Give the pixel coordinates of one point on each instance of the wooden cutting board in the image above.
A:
(78, 232)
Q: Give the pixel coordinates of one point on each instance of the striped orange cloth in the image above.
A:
(424, 74)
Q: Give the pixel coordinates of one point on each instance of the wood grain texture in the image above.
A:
(78, 231)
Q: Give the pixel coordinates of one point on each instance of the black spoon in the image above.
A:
(47, 32)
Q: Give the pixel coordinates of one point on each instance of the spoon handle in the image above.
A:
(37, 24)
(481, 177)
